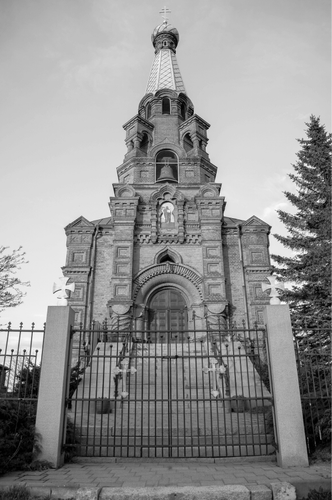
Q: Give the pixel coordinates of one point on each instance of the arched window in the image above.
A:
(187, 142)
(166, 166)
(148, 111)
(166, 106)
(144, 144)
(183, 110)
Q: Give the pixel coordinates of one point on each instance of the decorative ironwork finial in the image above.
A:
(124, 372)
(273, 286)
(164, 11)
(213, 370)
(61, 288)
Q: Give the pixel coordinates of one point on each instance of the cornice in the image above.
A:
(195, 118)
(140, 119)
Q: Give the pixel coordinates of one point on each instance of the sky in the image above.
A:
(72, 72)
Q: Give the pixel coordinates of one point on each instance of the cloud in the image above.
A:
(271, 210)
(303, 117)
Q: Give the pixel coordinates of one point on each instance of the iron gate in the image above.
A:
(170, 394)
(313, 356)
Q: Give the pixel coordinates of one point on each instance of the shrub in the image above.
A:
(17, 434)
(318, 495)
(19, 443)
(22, 493)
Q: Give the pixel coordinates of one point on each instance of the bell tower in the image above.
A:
(167, 241)
(166, 132)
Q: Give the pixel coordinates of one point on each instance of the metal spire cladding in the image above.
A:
(165, 72)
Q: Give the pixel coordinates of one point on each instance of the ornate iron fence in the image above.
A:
(20, 358)
(192, 393)
(313, 354)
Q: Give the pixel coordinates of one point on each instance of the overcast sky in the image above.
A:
(72, 72)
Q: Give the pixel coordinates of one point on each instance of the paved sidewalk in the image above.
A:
(101, 473)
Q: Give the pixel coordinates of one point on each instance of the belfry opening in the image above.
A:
(168, 300)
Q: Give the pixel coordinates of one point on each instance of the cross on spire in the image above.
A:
(273, 286)
(164, 11)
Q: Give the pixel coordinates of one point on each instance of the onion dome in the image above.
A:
(165, 72)
(166, 32)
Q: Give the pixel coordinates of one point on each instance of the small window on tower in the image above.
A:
(166, 106)
(144, 144)
(148, 111)
(187, 143)
(183, 110)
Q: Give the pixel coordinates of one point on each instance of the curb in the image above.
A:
(230, 492)
(273, 491)
(177, 493)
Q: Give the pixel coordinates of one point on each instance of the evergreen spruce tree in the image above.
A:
(309, 231)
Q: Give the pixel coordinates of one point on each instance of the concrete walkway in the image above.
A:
(170, 476)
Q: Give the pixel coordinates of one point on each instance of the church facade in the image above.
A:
(167, 257)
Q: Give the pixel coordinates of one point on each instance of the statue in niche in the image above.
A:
(166, 214)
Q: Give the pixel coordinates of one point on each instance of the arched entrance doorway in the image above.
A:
(167, 313)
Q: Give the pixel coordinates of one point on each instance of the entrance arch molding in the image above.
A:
(169, 286)
(184, 286)
(178, 275)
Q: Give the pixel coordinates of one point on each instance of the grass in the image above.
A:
(23, 493)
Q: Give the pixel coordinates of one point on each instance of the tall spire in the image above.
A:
(165, 72)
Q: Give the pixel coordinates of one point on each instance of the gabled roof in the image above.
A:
(231, 221)
(102, 222)
(255, 221)
(80, 221)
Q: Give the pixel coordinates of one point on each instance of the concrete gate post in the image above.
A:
(292, 449)
(50, 420)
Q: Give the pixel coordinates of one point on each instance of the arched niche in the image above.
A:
(166, 192)
(183, 109)
(125, 192)
(144, 144)
(187, 142)
(166, 106)
(167, 255)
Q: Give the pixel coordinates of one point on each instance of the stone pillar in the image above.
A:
(50, 420)
(292, 449)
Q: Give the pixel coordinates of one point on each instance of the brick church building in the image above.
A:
(167, 257)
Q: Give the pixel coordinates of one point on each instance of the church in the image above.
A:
(167, 256)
